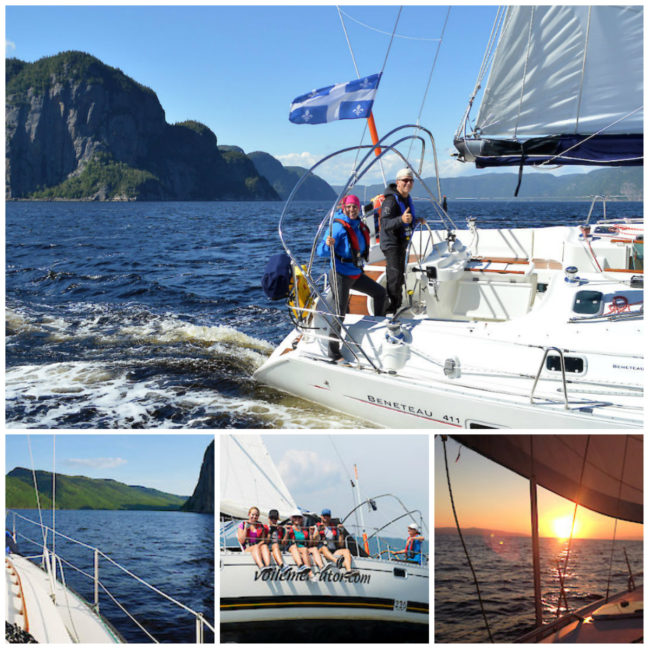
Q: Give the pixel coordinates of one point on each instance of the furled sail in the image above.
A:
(611, 482)
(565, 86)
(249, 477)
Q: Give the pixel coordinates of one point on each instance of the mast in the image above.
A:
(535, 543)
(363, 523)
(534, 525)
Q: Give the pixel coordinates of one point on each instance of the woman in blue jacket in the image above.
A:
(351, 241)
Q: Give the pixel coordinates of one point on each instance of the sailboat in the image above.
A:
(386, 600)
(603, 473)
(500, 328)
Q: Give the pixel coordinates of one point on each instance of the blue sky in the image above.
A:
(237, 68)
(167, 462)
(317, 470)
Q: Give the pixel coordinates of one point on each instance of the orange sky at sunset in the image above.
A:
(489, 496)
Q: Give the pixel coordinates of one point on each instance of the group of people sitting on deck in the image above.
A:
(350, 243)
(319, 548)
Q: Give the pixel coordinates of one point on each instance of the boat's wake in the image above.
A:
(129, 368)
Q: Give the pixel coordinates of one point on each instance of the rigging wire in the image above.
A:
(356, 516)
(433, 65)
(573, 523)
(462, 541)
(375, 29)
(618, 501)
(390, 43)
(38, 500)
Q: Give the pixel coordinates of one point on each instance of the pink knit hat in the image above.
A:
(351, 198)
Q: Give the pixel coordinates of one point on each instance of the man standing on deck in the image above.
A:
(397, 220)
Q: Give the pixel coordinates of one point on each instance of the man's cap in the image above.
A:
(404, 173)
(414, 526)
(297, 513)
(326, 511)
(274, 514)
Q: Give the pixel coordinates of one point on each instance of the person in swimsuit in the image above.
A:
(274, 539)
(251, 535)
(298, 536)
(330, 544)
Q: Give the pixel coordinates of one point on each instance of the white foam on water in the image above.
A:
(114, 400)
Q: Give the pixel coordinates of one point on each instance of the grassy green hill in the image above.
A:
(83, 493)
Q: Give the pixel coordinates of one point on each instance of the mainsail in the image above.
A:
(249, 477)
(603, 473)
(565, 86)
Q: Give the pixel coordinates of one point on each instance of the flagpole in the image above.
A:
(373, 133)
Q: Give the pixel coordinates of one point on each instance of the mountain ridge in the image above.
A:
(78, 492)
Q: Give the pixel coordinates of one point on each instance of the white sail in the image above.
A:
(249, 477)
(566, 70)
(612, 480)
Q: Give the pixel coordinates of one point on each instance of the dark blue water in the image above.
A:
(152, 314)
(504, 570)
(173, 551)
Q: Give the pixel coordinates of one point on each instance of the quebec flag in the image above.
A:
(346, 101)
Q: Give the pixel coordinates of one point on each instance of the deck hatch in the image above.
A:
(588, 302)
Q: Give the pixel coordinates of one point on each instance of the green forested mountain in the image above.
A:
(623, 183)
(77, 128)
(83, 493)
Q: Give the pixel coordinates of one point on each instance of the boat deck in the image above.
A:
(620, 620)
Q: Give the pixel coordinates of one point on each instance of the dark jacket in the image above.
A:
(394, 231)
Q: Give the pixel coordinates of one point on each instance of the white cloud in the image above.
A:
(98, 463)
(9, 47)
(309, 471)
(337, 170)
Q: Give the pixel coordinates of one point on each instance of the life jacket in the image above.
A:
(376, 202)
(407, 228)
(354, 243)
(411, 549)
(260, 532)
(276, 529)
(321, 527)
(291, 532)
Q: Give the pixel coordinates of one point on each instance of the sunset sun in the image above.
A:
(562, 527)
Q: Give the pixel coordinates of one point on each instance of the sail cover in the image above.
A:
(566, 85)
(612, 481)
(249, 477)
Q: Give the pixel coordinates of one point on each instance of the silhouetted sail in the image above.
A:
(612, 480)
(249, 477)
(565, 86)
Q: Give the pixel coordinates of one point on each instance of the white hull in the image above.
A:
(492, 331)
(67, 619)
(386, 597)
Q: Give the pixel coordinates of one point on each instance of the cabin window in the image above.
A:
(588, 302)
(478, 425)
(571, 364)
(399, 573)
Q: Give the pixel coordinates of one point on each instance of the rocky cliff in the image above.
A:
(203, 498)
(79, 129)
(283, 179)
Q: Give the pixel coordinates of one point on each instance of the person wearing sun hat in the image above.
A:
(350, 241)
(397, 219)
(413, 550)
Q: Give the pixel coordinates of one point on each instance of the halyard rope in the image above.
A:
(460, 534)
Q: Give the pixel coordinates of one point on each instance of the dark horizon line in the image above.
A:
(483, 531)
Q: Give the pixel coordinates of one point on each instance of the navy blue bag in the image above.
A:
(277, 276)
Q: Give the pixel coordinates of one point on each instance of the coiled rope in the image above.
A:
(460, 534)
